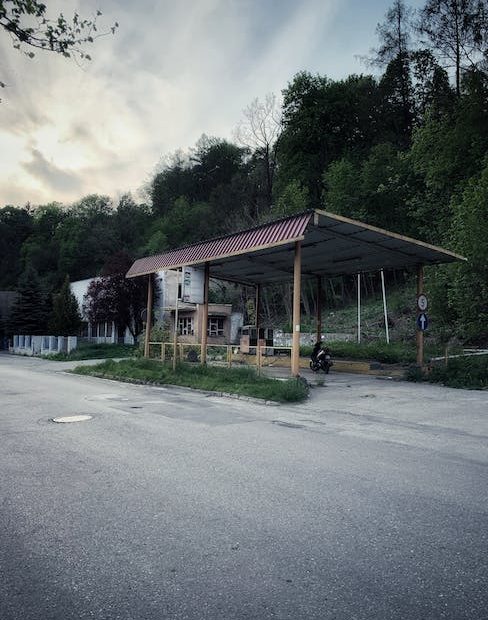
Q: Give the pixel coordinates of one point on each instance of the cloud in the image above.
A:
(173, 71)
(51, 176)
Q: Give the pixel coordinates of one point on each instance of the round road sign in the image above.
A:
(422, 303)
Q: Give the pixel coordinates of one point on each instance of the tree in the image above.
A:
(324, 120)
(342, 194)
(30, 311)
(457, 32)
(87, 237)
(65, 318)
(113, 297)
(15, 227)
(41, 248)
(259, 131)
(29, 27)
(469, 281)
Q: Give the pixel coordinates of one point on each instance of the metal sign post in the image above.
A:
(420, 324)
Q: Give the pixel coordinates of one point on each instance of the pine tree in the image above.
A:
(30, 311)
(65, 317)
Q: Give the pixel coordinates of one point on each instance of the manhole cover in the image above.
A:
(72, 418)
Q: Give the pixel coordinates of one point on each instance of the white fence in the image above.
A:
(43, 345)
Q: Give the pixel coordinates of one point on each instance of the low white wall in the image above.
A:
(43, 345)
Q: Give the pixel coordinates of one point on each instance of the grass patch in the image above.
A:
(243, 381)
(461, 372)
(91, 351)
(393, 353)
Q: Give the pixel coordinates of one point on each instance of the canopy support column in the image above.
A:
(319, 309)
(420, 333)
(297, 277)
(147, 336)
(257, 304)
(204, 324)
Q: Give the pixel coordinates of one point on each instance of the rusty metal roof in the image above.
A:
(332, 245)
(274, 233)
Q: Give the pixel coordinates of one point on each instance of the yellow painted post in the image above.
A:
(148, 317)
(297, 277)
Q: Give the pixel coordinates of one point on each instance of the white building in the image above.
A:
(171, 297)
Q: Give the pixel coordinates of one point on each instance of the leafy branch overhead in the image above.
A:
(30, 28)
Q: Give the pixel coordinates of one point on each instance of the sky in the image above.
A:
(174, 70)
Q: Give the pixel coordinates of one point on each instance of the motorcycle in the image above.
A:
(321, 359)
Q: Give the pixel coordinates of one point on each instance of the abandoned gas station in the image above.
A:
(309, 245)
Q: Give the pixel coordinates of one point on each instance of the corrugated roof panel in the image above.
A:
(280, 231)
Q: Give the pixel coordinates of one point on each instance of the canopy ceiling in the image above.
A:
(332, 245)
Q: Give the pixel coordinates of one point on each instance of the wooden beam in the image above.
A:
(204, 324)
(297, 278)
(147, 336)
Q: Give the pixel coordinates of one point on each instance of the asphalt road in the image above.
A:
(368, 502)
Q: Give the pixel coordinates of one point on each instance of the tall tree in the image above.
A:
(259, 131)
(65, 318)
(15, 227)
(113, 297)
(469, 281)
(322, 121)
(394, 53)
(30, 311)
(457, 32)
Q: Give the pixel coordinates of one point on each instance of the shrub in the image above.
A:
(460, 372)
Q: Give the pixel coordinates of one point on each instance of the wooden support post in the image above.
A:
(420, 333)
(297, 277)
(256, 310)
(319, 309)
(148, 315)
(175, 331)
(204, 323)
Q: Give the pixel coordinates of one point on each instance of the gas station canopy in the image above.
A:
(331, 245)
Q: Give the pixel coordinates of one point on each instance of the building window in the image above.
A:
(185, 325)
(215, 326)
(109, 329)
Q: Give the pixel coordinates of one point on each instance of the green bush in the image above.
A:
(393, 353)
(460, 372)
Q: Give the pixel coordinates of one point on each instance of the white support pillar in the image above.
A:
(385, 311)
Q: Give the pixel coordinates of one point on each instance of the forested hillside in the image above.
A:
(404, 148)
